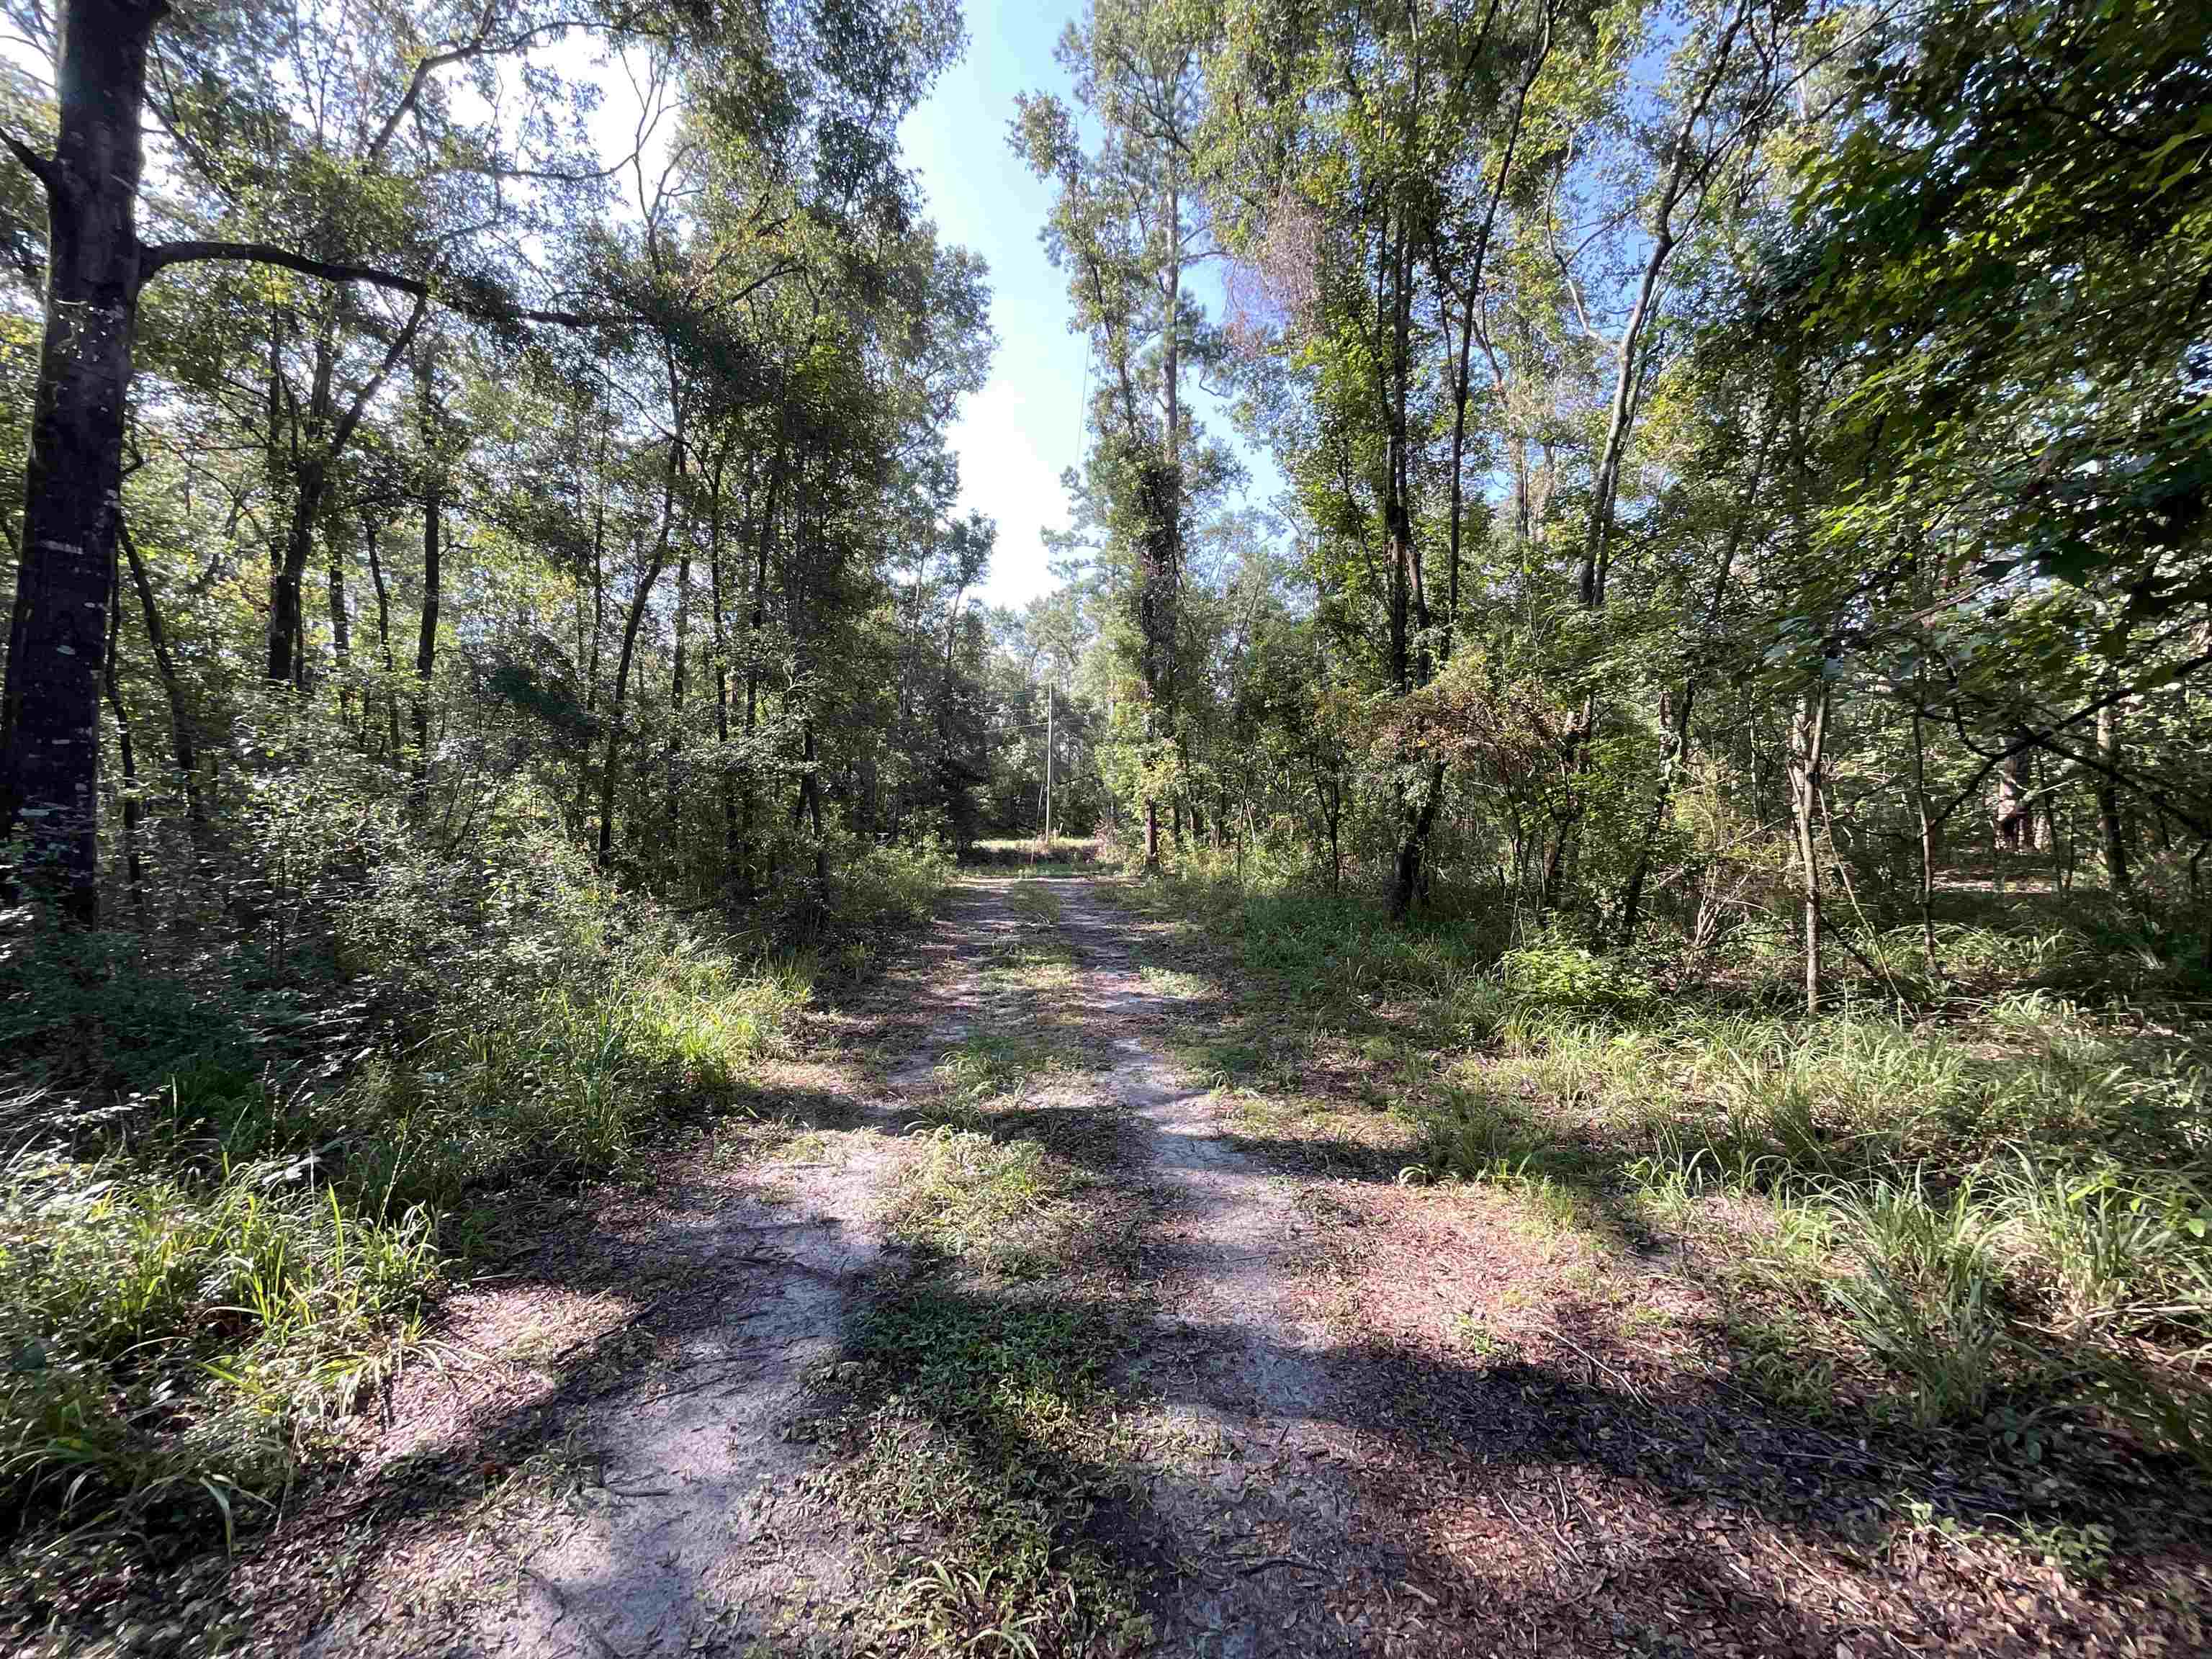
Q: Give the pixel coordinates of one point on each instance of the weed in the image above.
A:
(1926, 1297)
(2081, 1551)
(1004, 1205)
(987, 1424)
(236, 1196)
(993, 1063)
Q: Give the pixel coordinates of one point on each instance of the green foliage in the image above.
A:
(173, 1337)
(982, 1433)
(238, 1196)
(1926, 1295)
(1554, 970)
(2022, 218)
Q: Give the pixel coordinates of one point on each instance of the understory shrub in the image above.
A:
(235, 1179)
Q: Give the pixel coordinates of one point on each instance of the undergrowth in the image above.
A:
(981, 1431)
(237, 1180)
(1987, 1210)
(1008, 1207)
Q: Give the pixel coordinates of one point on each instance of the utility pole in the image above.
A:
(1048, 768)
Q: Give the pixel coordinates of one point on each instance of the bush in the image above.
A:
(1554, 970)
(239, 1188)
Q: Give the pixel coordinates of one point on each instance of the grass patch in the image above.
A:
(235, 1196)
(994, 1065)
(1948, 1219)
(1173, 982)
(1037, 959)
(1031, 855)
(173, 1341)
(985, 1427)
(1005, 1206)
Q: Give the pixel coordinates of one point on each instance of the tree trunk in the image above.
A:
(287, 612)
(810, 789)
(2117, 874)
(1927, 838)
(756, 620)
(1411, 664)
(341, 626)
(425, 635)
(2016, 810)
(287, 644)
(1409, 873)
(370, 531)
(133, 873)
(72, 486)
(611, 760)
(677, 686)
(728, 789)
(1808, 734)
(181, 726)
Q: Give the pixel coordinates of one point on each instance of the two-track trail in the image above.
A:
(994, 1327)
(611, 1457)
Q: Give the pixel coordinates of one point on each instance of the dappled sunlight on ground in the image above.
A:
(1060, 1286)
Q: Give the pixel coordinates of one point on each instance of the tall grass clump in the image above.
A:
(1926, 1291)
(172, 1338)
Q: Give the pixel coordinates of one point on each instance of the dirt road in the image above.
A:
(994, 1329)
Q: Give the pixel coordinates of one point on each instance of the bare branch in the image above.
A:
(40, 167)
(161, 257)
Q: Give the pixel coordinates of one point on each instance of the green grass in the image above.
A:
(991, 1066)
(171, 1340)
(983, 1430)
(1943, 1219)
(236, 1197)
(1037, 959)
(1007, 1206)
(1030, 852)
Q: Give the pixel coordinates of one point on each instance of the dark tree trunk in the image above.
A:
(180, 725)
(2015, 792)
(1927, 837)
(722, 664)
(341, 627)
(810, 796)
(1412, 661)
(426, 635)
(287, 614)
(433, 515)
(287, 643)
(756, 619)
(72, 492)
(134, 873)
(611, 758)
(2116, 869)
(370, 534)
(1808, 731)
(677, 686)
(1409, 869)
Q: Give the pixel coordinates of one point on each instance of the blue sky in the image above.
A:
(1024, 429)
(1016, 437)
